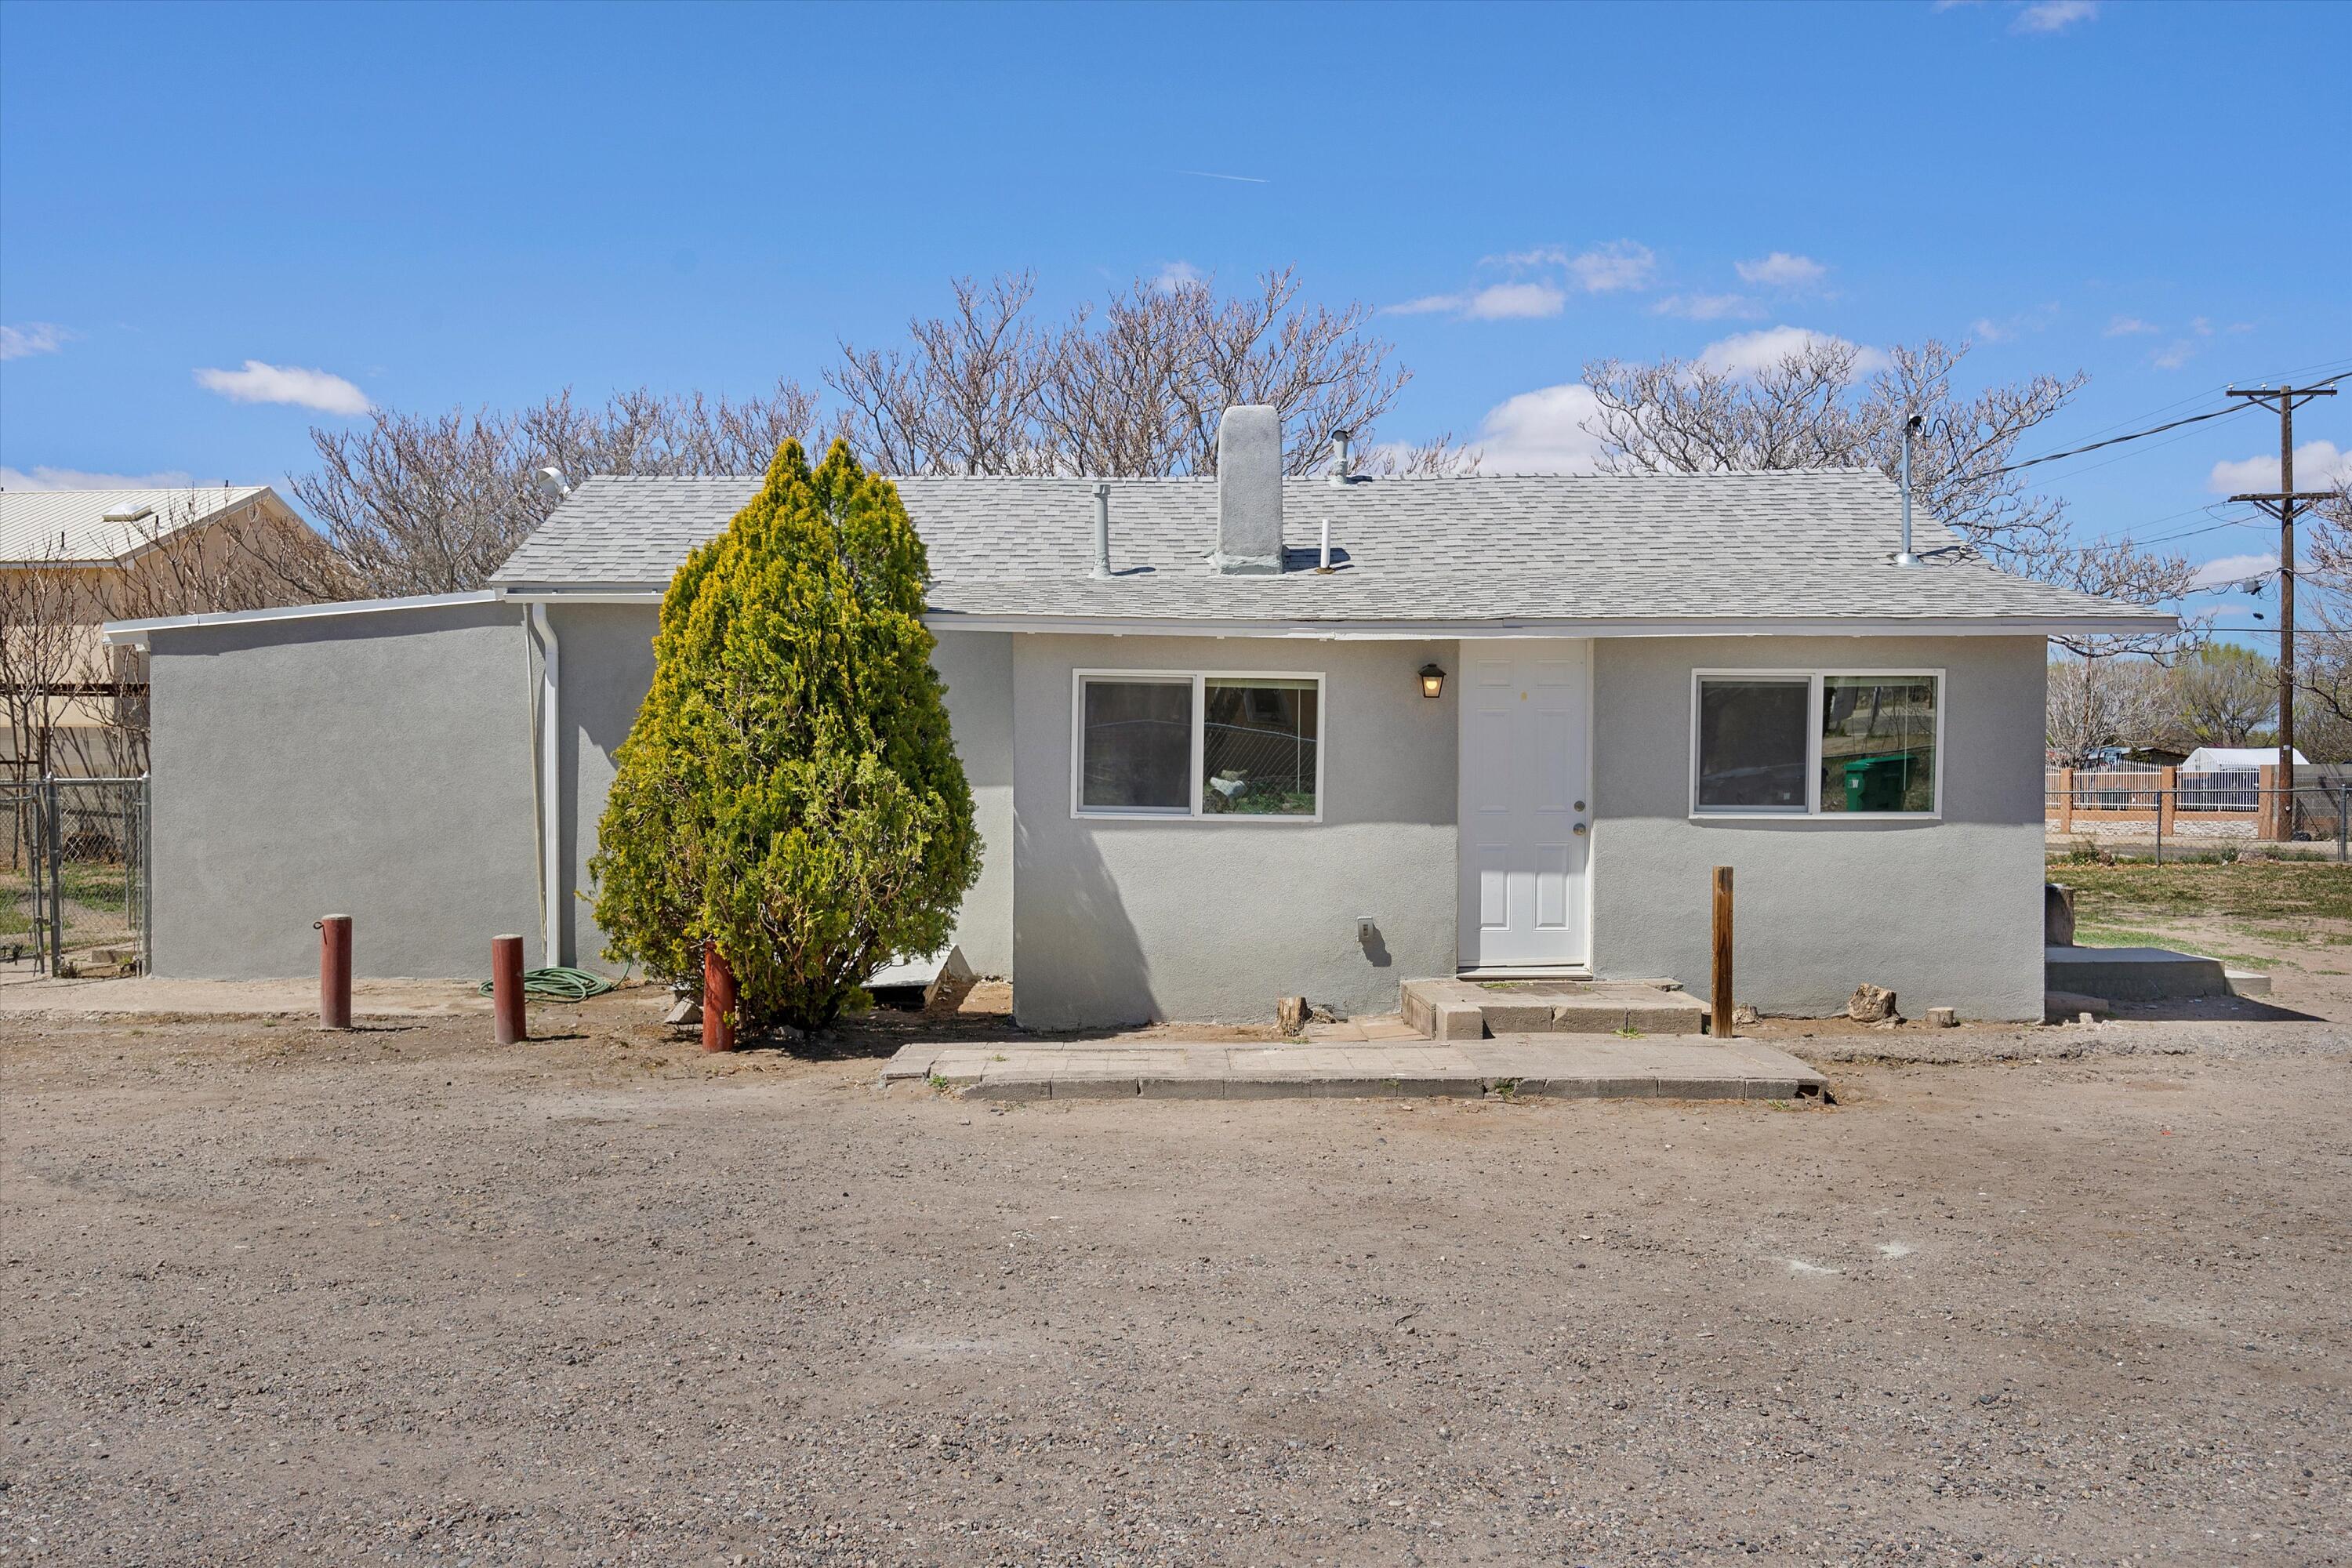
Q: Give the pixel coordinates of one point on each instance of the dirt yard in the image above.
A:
(272, 1296)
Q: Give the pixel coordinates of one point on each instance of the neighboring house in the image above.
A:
(72, 559)
(2235, 759)
(1509, 731)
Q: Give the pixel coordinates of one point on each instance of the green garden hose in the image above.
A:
(559, 985)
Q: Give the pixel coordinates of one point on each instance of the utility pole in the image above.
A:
(2282, 505)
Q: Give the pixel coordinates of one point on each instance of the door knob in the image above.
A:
(1580, 828)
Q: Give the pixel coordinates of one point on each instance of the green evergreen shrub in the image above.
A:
(789, 791)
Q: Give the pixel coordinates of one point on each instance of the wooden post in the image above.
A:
(718, 1001)
(334, 971)
(1720, 997)
(506, 989)
(2266, 811)
(2065, 800)
(2167, 803)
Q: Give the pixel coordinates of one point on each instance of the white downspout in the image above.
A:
(550, 786)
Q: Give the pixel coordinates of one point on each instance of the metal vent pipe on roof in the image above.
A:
(1341, 471)
(1903, 557)
(1102, 531)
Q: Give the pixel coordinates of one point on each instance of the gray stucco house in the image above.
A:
(1505, 725)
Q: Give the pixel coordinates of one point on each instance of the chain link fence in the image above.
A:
(73, 878)
(2162, 814)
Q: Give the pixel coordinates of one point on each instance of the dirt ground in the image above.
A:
(2072, 1296)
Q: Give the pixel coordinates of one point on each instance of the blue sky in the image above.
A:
(437, 205)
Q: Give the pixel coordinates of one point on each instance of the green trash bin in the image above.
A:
(1876, 783)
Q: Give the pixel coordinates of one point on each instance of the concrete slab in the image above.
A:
(2132, 973)
(1551, 1066)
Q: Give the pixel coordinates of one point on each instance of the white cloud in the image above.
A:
(2128, 327)
(2054, 15)
(1514, 301)
(260, 383)
(45, 478)
(1175, 275)
(1602, 270)
(1617, 266)
(1495, 302)
(34, 338)
(2230, 570)
(1542, 432)
(1986, 330)
(1427, 305)
(1781, 270)
(2174, 355)
(2318, 465)
(1708, 307)
(1745, 353)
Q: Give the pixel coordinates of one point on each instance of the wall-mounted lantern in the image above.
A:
(1433, 680)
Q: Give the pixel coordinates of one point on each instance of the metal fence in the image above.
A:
(73, 878)
(2197, 815)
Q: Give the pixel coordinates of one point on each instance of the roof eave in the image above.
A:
(1421, 630)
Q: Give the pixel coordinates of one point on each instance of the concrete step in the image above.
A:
(2145, 974)
(1454, 1009)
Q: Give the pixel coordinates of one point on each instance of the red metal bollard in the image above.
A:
(334, 971)
(506, 989)
(718, 1001)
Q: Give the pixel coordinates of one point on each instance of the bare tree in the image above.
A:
(432, 504)
(1133, 387)
(49, 652)
(1813, 408)
(2096, 704)
(2324, 629)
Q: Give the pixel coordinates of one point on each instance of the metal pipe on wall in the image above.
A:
(551, 787)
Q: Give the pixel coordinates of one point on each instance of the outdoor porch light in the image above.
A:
(1433, 680)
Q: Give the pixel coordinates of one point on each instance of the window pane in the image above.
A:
(1878, 743)
(1751, 743)
(1257, 748)
(1136, 745)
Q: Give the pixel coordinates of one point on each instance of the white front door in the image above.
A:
(1524, 791)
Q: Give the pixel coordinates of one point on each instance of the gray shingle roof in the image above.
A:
(1799, 545)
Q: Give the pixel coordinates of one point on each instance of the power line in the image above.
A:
(2155, 430)
(2119, 440)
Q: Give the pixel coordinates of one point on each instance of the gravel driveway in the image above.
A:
(278, 1297)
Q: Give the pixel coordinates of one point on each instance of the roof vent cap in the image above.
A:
(130, 511)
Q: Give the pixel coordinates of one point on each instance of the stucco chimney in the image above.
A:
(1249, 490)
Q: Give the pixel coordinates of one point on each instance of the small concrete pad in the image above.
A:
(2132, 973)
(1526, 1065)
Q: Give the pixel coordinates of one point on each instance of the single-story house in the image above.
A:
(1499, 725)
(70, 560)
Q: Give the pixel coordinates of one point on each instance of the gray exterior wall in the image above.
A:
(1129, 921)
(978, 670)
(376, 766)
(1947, 914)
(606, 656)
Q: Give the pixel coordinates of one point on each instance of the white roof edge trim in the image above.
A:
(619, 594)
(135, 633)
(1427, 631)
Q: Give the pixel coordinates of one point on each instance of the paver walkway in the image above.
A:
(1518, 1065)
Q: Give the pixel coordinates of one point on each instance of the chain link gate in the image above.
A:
(73, 878)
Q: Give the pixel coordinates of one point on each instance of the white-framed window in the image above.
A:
(1831, 743)
(1231, 746)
